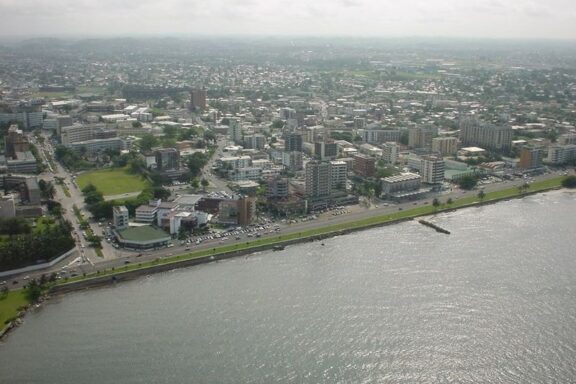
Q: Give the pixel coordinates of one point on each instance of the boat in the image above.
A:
(278, 247)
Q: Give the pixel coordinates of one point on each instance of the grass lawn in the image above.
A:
(112, 181)
(9, 305)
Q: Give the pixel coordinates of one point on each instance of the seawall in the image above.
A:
(119, 275)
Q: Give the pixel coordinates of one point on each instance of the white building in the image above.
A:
(401, 183)
(390, 152)
(432, 169)
(120, 217)
(338, 174)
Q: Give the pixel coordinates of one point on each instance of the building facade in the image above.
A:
(364, 165)
(477, 133)
(318, 179)
(445, 146)
(432, 169)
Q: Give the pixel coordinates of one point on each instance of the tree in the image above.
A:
(449, 201)
(47, 190)
(194, 183)
(435, 203)
(209, 136)
(196, 162)
(147, 142)
(467, 182)
(278, 124)
(136, 124)
(161, 193)
(569, 182)
(205, 183)
(481, 195)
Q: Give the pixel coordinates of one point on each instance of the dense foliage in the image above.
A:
(569, 182)
(467, 182)
(26, 247)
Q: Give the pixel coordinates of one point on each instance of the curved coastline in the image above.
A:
(328, 231)
(112, 277)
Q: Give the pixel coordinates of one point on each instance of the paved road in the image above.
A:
(89, 262)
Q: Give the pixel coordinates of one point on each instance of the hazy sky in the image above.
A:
(453, 18)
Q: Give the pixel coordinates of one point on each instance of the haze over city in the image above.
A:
(437, 18)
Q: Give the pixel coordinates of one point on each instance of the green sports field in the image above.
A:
(112, 181)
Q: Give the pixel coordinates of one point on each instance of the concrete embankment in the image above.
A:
(434, 226)
(119, 275)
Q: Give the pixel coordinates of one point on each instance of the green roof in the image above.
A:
(143, 233)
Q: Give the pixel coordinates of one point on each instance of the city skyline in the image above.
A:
(439, 18)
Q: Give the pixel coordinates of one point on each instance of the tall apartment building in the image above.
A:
(338, 175)
(530, 158)
(27, 114)
(390, 152)
(421, 137)
(446, 146)
(561, 154)
(257, 141)
(432, 169)
(378, 136)
(478, 133)
(167, 158)
(364, 165)
(198, 98)
(15, 141)
(325, 150)
(293, 142)
(235, 130)
(318, 184)
(293, 161)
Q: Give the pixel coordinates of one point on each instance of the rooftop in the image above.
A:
(143, 233)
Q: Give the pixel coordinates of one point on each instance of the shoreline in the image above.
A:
(117, 276)
(127, 275)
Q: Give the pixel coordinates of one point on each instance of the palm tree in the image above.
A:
(435, 203)
(481, 195)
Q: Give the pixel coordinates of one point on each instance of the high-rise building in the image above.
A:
(167, 158)
(529, 158)
(561, 154)
(293, 161)
(325, 150)
(15, 141)
(120, 217)
(318, 183)
(257, 141)
(421, 137)
(377, 136)
(390, 152)
(364, 165)
(28, 114)
(198, 98)
(432, 169)
(477, 133)
(246, 210)
(293, 142)
(235, 130)
(445, 146)
(338, 175)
